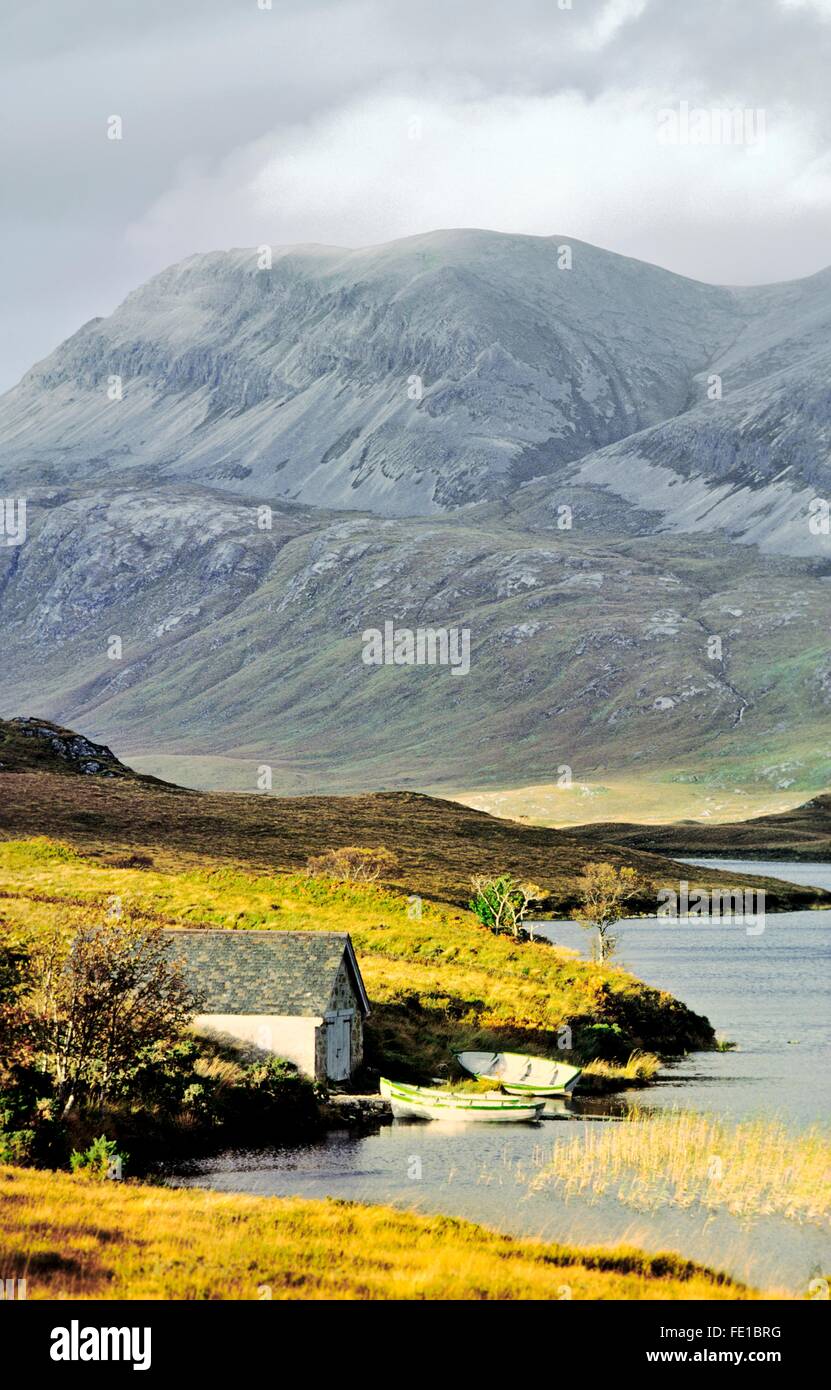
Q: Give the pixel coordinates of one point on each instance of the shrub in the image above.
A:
(602, 1041)
(99, 1001)
(17, 1146)
(353, 864)
(101, 1160)
(501, 904)
(131, 861)
(272, 1088)
(15, 971)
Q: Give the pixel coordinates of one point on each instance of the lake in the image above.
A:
(768, 993)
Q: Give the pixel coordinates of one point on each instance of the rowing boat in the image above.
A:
(425, 1103)
(519, 1074)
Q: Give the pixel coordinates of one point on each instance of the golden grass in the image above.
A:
(436, 982)
(639, 1068)
(752, 1168)
(73, 1238)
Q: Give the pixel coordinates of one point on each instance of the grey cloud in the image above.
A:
(197, 80)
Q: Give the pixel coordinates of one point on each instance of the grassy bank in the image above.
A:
(750, 1169)
(436, 982)
(72, 1238)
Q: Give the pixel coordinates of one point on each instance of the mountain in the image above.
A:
(632, 560)
(802, 833)
(294, 383)
(439, 844)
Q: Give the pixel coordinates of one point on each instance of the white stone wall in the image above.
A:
(284, 1036)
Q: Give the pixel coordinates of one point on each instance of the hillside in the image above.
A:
(243, 647)
(440, 844)
(801, 833)
(438, 982)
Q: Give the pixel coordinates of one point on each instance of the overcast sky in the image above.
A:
(355, 121)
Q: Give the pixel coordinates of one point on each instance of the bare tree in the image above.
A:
(604, 893)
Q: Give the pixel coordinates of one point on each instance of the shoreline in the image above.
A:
(74, 1238)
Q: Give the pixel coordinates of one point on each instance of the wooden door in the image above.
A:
(339, 1045)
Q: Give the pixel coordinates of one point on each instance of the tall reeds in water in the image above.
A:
(752, 1168)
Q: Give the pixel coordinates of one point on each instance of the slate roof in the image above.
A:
(265, 972)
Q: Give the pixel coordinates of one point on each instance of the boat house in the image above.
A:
(293, 994)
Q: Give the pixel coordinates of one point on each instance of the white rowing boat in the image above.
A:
(424, 1103)
(519, 1074)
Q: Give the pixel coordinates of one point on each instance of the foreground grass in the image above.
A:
(753, 1168)
(437, 981)
(71, 1238)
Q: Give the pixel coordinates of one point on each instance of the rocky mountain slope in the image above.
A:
(441, 370)
(237, 473)
(239, 647)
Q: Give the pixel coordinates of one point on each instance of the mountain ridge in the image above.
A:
(803, 833)
(293, 381)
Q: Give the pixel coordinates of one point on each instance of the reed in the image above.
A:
(639, 1068)
(751, 1169)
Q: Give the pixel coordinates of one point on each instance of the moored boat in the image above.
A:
(519, 1074)
(425, 1103)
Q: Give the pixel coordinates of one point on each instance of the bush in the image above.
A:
(29, 1131)
(501, 904)
(273, 1091)
(101, 1160)
(605, 1042)
(15, 980)
(353, 864)
(17, 1146)
(99, 1001)
(251, 1097)
(161, 1075)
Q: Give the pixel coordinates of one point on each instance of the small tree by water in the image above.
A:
(502, 905)
(604, 893)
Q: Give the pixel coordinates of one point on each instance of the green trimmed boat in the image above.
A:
(519, 1074)
(425, 1103)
